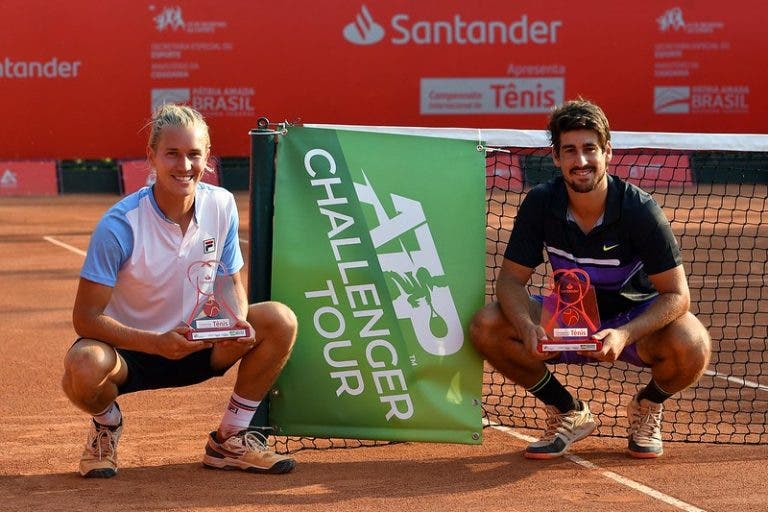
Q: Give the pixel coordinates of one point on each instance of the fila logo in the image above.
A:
(607, 248)
(209, 245)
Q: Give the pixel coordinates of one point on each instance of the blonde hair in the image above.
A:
(184, 116)
(171, 114)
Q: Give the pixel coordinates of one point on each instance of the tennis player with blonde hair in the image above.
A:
(129, 305)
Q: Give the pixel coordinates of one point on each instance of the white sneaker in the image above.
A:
(99, 459)
(644, 431)
(247, 451)
(563, 429)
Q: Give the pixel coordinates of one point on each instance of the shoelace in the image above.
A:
(554, 422)
(103, 442)
(647, 423)
(253, 440)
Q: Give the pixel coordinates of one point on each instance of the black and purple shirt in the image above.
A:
(633, 240)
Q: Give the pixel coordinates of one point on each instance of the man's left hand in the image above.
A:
(613, 340)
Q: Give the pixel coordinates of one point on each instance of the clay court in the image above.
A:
(43, 241)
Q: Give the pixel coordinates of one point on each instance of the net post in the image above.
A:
(261, 208)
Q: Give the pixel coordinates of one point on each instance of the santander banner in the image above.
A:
(80, 78)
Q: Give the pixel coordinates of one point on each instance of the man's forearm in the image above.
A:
(112, 332)
(515, 304)
(241, 302)
(667, 308)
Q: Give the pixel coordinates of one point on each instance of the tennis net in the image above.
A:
(714, 193)
(714, 190)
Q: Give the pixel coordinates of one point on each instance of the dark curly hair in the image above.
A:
(579, 114)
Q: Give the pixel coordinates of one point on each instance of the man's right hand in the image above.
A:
(531, 337)
(175, 345)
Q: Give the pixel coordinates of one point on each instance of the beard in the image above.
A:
(581, 184)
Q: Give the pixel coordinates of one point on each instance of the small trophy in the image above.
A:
(569, 313)
(212, 318)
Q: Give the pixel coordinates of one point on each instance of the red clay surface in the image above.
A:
(41, 434)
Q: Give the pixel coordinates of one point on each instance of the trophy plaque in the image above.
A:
(569, 314)
(212, 317)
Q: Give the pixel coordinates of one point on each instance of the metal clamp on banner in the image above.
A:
(263, 125)
(487, 149)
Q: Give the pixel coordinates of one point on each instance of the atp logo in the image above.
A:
(424, 297)
(364, 30)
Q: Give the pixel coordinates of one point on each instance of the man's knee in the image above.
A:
(698, 345)
(685, 342)
(90, 358)
(479, 324)
(485, 323)
(692, 338)
(87, 366)
(277, 320)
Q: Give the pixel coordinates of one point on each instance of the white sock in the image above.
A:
(238, 415)
(109, 417)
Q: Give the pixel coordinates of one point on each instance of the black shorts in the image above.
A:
(150, 371)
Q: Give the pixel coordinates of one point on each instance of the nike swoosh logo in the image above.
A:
(607, 248)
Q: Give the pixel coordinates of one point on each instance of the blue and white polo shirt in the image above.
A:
(143, 256)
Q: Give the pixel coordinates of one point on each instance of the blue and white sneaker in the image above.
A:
(563, 429)
(644, 439)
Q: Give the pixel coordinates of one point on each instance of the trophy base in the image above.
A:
(216, 334)
(587, 345)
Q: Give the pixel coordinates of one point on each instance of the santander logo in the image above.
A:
(364, 30)
(405, 29)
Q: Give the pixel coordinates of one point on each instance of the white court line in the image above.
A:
(736, 380)
(62, 244)
(62, 491)
(635, 486)
(82, 253)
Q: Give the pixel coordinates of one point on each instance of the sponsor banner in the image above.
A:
(379, 249)
(452, 30)
(490, 95)
(679, 68)
(28, 178)
(136, 174)
(211, 101)
(701, 99)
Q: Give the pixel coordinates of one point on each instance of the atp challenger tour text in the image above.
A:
(364, 301)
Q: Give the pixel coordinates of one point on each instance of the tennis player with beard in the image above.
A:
(587, 219)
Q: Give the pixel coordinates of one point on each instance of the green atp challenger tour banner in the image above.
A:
(379, 248)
